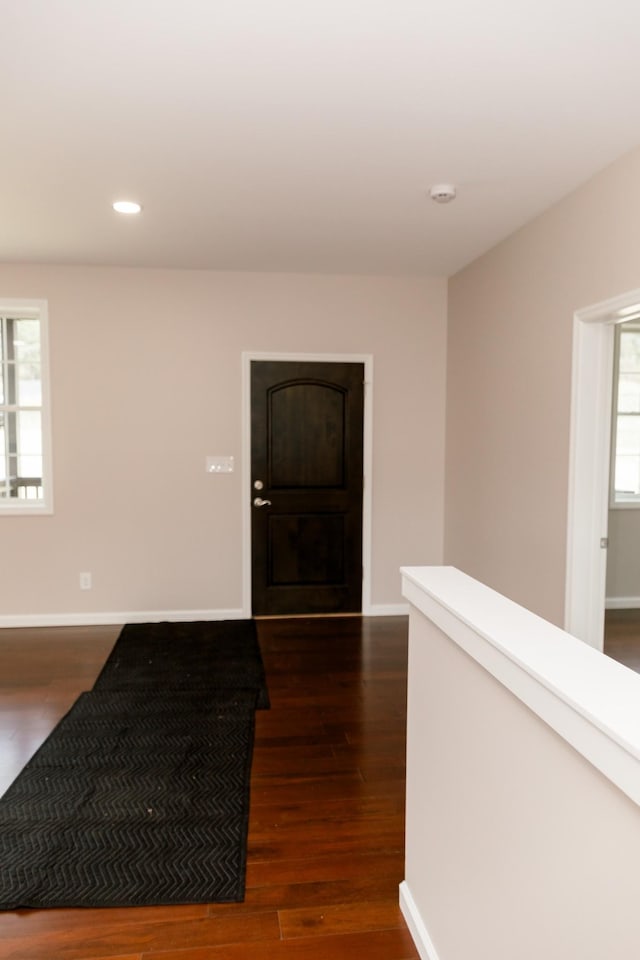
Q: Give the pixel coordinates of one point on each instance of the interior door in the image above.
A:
(306, 486)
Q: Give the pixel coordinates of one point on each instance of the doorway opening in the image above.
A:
(589, 465)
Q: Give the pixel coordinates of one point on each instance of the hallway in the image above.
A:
(326, 833)
(326, 836)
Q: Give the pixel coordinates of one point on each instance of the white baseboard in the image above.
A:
(387, 610)
(154, 616)
(417, 928)
(109, 618)
(622, 603)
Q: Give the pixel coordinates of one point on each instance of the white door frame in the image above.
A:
(367, 360)
(589, 463)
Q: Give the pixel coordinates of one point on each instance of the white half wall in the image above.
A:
(523, 783)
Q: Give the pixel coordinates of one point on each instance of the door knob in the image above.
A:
(259, 502)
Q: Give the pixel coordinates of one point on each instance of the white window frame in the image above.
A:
(629, 501)
(10, 506)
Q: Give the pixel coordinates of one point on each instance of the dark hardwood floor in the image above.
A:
(326, 835)
(622, 637)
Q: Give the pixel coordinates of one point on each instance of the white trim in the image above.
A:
(111, 617)
(367, 463)
(590, 700)
(589, 463)
(388, 610)
(37, 310)
(622, 603)
(416, 925)
(617, 499)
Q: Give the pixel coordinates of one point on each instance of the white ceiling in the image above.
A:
(303, 135)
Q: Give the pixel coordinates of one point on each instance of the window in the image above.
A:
(25, 461)
(625, 466)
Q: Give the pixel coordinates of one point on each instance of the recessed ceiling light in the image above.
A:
(127, 206)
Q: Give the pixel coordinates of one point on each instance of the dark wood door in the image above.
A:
(306, 462)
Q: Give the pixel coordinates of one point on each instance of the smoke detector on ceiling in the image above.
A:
(443, 192)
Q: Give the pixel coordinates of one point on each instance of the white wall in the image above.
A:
(146, 381)
(623, 558)
(509, 384)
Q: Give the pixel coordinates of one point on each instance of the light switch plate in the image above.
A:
(219, 465)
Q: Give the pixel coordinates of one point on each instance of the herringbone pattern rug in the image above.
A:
(200, 654)
(139, 796)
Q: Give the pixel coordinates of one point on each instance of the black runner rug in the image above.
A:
(200, 654)
(140, 795)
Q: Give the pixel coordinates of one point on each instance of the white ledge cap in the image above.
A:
(592, 701)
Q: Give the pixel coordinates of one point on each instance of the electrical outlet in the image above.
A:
(85, 581)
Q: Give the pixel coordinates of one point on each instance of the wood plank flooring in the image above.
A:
(326, 834)
(622, 637)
